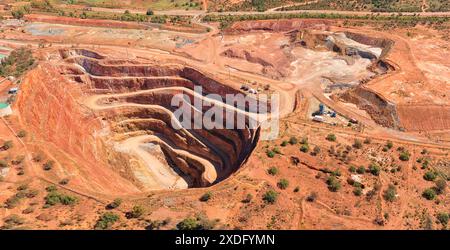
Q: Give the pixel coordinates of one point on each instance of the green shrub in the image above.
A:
(272, 171)
(48, 165)
(374, 169)
(7, 145)
(64, 181)
(3, 164)
(316, 150)
(336, 172)
(429, 194)
(270, 196)
(149, 12)
(443, 218)
(296, 189)
(430, 176)
(389, 144)
(206, 196)
(54, 198)
(361, 170)
(283, 184)
(293, 141)
(352, 169)
(276, 150)
(270, 153)
(440, 185)
(390, 194)
(248, 198)
(367, 140)
(331, 137)
(284, 143)
(312, 197)
(404, 156)
(357, 144)
(51, 188)
(188, 224)
(115, 203)
(357, 191)
(333, 184)
(304, 148)
(106, 221)
(21, 134)
(136, 212)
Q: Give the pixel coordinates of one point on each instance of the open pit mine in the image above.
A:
(91, 124)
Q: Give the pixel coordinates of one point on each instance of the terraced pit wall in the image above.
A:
(137, 99)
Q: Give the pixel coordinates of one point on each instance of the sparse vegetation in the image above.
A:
(312, 197)
(18, 62)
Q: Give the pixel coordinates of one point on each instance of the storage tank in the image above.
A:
(5, 109)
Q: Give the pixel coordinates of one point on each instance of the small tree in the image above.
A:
(270, 197)
(283, 184)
